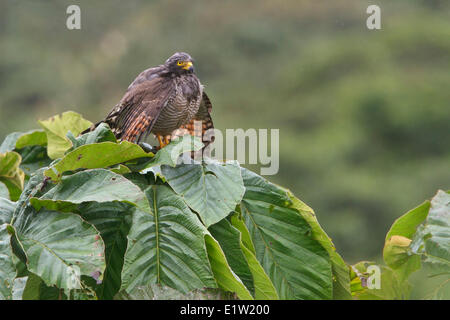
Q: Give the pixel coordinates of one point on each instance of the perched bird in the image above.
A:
(162, 100)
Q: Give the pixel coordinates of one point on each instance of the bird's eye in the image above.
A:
(180, 63)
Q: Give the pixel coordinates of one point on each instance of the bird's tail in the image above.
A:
(92, 128)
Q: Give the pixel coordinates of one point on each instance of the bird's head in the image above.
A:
(180, 63)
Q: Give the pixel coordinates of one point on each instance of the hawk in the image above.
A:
(165, 100)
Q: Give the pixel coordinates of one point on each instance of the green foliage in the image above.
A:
(10, 173)
(432, 239)
(363, 115)
(298, 265)
(56, 129)
(224, 275)
(59, 247)
(229, 239)
(87, 157)
(211, 189)
(107, 220)
(419, 236)
(166, 242)
(396, 252)
(97, 185)
(32, 138)
(7, 270)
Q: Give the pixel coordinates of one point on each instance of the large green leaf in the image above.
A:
(11, 285)
(99, 185)
(7, 208)
(341, 273)
(96, 155)
(225, 277)
(298, 265)
(397, 253)
(264, 288)
(113, 221)
(56, 129)
(10, 173)
(212, 189)
(95, 189)
(7, 268)
(166, 247)
(407, 224)
(31, 138)
(59, 247)
(432, 239)
(19, 140)
(229, 239)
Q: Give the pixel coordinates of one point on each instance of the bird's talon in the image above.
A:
(166, 140)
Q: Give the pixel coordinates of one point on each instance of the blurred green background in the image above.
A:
(364, 116)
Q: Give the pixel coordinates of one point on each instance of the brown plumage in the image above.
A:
(164, 100)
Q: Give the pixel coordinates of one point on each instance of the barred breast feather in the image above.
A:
(181, 106)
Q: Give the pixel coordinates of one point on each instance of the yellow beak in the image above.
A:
(187, 65)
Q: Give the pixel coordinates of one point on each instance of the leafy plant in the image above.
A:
(88, 217)
(420, 236)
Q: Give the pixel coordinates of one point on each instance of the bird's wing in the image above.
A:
(146, 75)
(135, 115)
(204, 115)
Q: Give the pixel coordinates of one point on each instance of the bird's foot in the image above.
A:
(161, 141)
